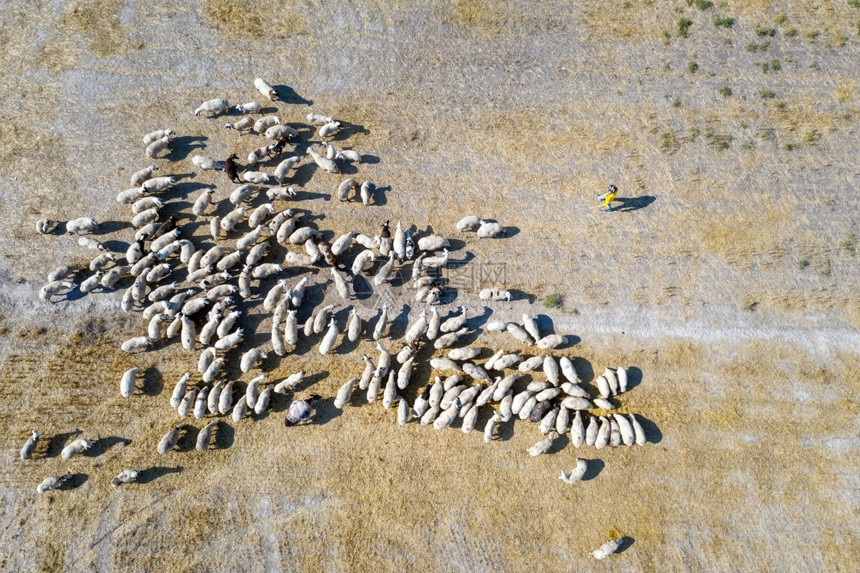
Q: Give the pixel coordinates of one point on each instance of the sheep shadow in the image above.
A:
(378, 196)
(288, 95)
(102, 445)
(58, 442)
(183, 145)
(652, 432)
(150, 474)
(348, 129)
(187, 439)
(74, 481)
(593, 469)
(505, 430)
(325, 411)
(634, 377)
(633, 203)
(370, 159)
(153, 382)
(626, 543)
(522, 295)
(559, 444)
(106, 227)
(584, 369)
(508, 232)
(225, 435)
(303, 174)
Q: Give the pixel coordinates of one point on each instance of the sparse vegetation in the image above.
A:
(802, 264)
(684, 27)
(790, 146)
(703, 4)
(692, 67)
(781, 19)
(812, 137)
(764, 32)
(552, 300)
(748, 145)
(694, 133)
(775, 66)
(753, 47)
(766, 94)
(850, 244)
(666, 37)
(854, 3)
(724, 21)
(668, 140)
(676, 102)
(826, 271)
(812, 34)
(749, 304)
(725, 91)
(791, 32)
(719, 141)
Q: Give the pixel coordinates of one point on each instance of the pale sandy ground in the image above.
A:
(749, 372)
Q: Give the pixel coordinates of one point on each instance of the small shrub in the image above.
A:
(812, 137)
(763, 32)
(725, 91)
(854, 3)
(766, 94)
(790, 146)
(666, 37)
(724, 21)
(791, 32)
(748, 145)
(850, 244)
(753, 47)
(825, 272)
(775, 66)
(749, 304)
(684, 27)
(743, 125)
(667, 140)
(812, 34)
(552, 300)
(780, 105)
(676, 102)
(694, 133)
(692, 67)
(781, 19)
(703, 4)
(802, 264)
(720, 141)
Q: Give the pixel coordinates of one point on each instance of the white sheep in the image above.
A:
(75, 447)
(348, 155)
(158, 146)
(250, 107)
(576, 473)
(81, 225)
(168, 441)
(256, 177)
(157, 134)
(213, 106)
(490, 230)
(324, 162)
(46, 226)
(264, 123)
(29, 446)
(284, 167)
(329, 128)
(157, 184)
(52, 482)
(494, 294)
(207, 163)
(126, 384)
(264, 88)
(316, 119)
(125, 476)
(607, 549)
(242, 124)
(278, 132)
(139, 177)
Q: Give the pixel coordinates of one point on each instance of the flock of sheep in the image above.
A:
(199, 296)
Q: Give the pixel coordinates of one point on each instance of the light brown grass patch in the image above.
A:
(96, 22)
(252, 19)
(636, 19)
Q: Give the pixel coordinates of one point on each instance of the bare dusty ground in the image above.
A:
(727, 280)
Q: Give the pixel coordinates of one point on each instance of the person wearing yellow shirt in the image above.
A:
(608, 198)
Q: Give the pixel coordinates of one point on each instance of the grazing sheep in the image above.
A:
(495, 294)
(454, 323)
(207, 163)
(155, 135)
(284, 167)
(75, 447)
(264, 123)
(489, 230)
(519, 333)
(433, 243)
(241, 125)
(125, 476)
(29, 446)
(126, 384)
(250, 107)
(281, 132)
(607, 549)
(469, 223)
(250, 359)
(543, 445)
(323, 162)
(138, 177)
(329, 128)
(551, 341)
(264, 88)
(52, 482)
(576, 473)
(130, 195)
(213, 106)
(157, 184)
(348, 155)
(137, 343)
(158, 146)
(256, 177)
(168, 441)
(317, 119)
(345, 187)
(225, 399)
(47, 226)
(81, 225)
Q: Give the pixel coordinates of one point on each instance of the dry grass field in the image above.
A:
(726, 279)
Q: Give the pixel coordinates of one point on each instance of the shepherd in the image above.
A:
(608, 198)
